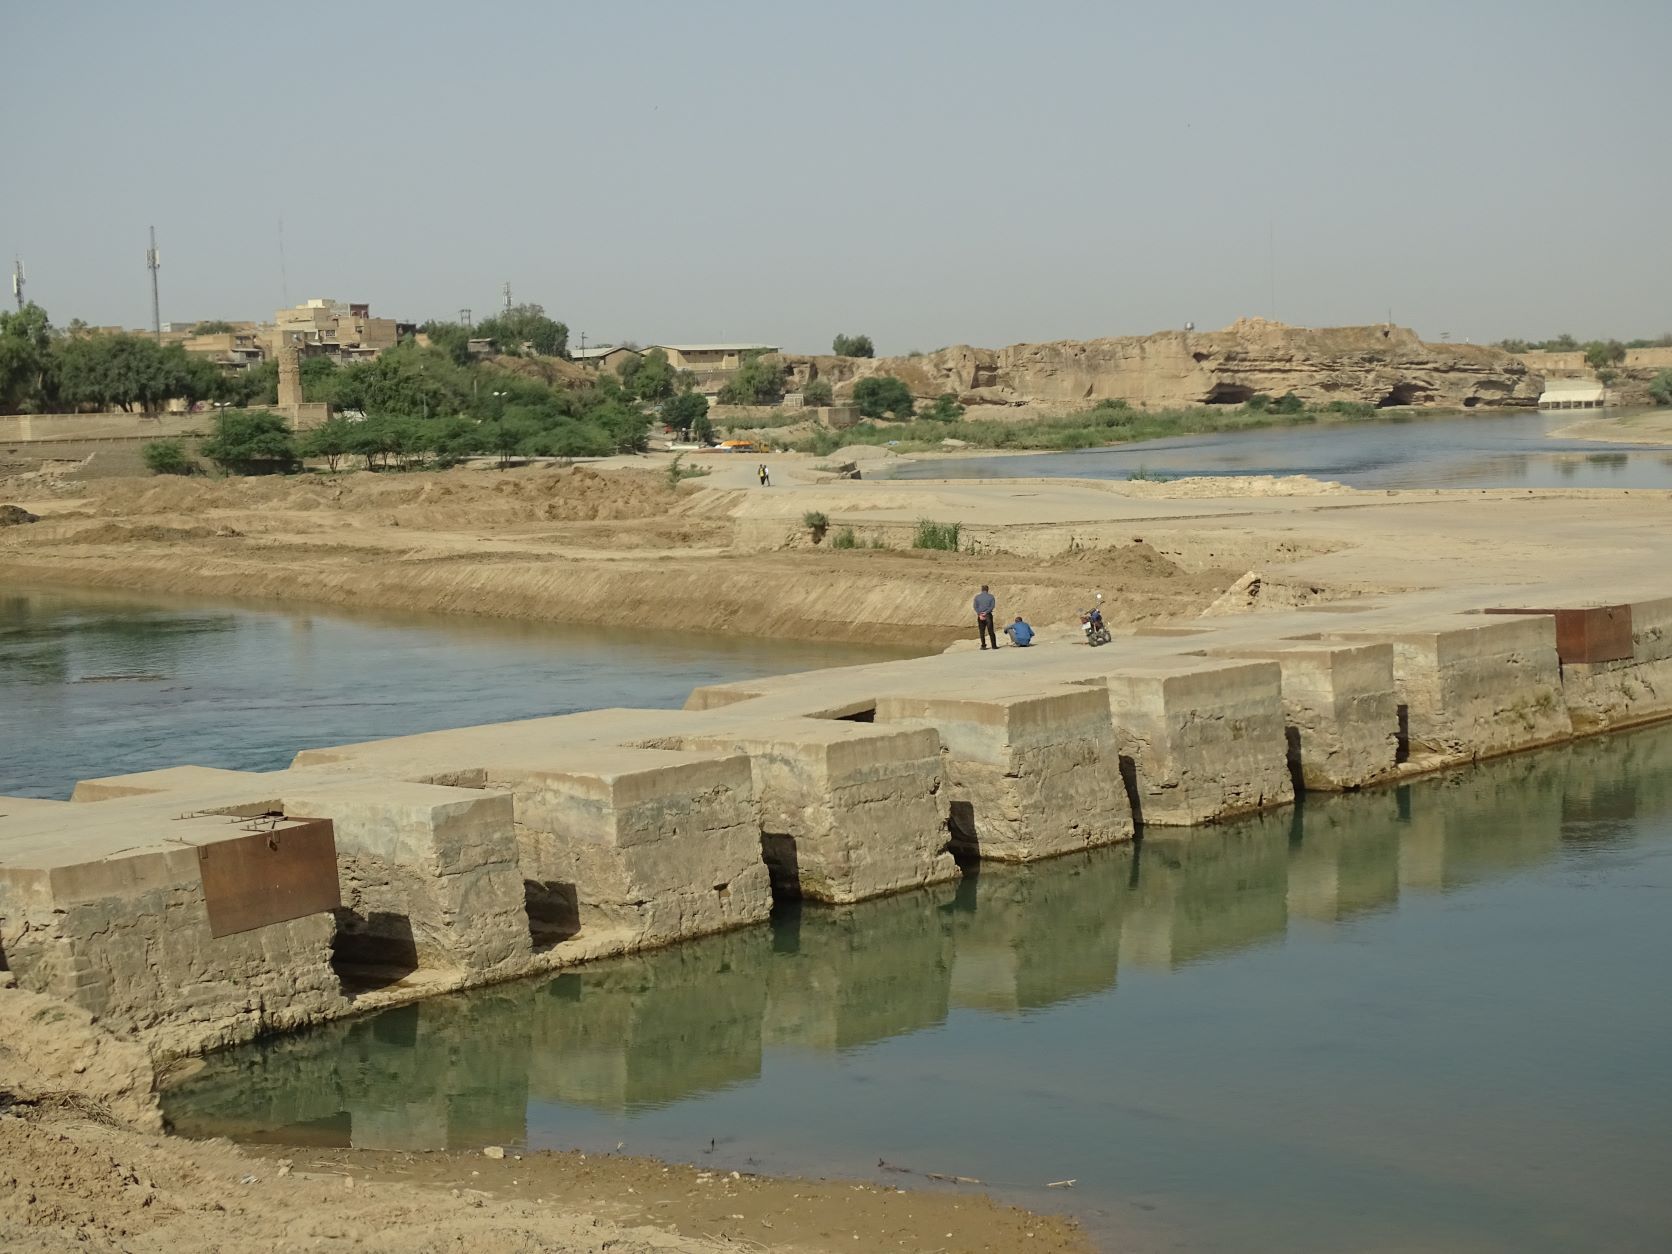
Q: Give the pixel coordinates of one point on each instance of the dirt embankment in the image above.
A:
(624, 548)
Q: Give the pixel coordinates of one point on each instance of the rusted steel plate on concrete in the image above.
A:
(1599, 634)
(270, 877)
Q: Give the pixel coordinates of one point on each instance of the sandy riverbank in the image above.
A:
(68, 1182)
(1653, 426)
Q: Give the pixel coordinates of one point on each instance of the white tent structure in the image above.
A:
(1573, 394)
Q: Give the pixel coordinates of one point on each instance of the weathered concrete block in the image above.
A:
(104, 907)
(1638, 689)
(650, 847)
(1205, 739)
(1473, 686)
(429, 874)
(1341, 716)
(1031, 776)
(848, 810)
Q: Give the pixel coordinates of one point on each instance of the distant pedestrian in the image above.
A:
(985, 605)
(1021, 635)
(765, 474)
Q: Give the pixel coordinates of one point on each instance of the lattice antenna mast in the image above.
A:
(19, 278)
(153, 263)
(507, 290)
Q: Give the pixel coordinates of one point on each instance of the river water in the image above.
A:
(1512, 451)
(94, 684)
(1429, 1017)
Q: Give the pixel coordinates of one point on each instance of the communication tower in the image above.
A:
(19, 278)
(153, 262)
(464, 318)
(507, 290)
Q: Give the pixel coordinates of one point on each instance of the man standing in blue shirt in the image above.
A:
(984, 607)
(1021, 635)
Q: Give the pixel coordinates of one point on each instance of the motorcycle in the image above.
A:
(1091, 622)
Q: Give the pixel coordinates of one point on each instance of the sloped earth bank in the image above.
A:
(68, 1182)
(623, 548)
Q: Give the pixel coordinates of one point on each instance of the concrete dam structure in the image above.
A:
(191, 908)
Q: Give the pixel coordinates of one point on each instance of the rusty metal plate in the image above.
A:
(1599, 634)
(270, 876)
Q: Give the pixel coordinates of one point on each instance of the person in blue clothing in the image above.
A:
(1021, 635)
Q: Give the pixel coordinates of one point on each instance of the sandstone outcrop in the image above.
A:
(1375, 365)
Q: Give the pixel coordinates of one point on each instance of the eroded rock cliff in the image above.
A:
(1376, 365)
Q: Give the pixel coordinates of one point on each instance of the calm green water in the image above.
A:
(1436, 1017)
(94, 685)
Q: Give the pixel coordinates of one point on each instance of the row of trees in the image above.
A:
(1567, 344)
(43, 370)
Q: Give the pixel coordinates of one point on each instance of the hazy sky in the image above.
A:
(927, 173)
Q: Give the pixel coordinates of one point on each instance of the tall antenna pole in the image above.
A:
(507, 295)
(18, 280)
(153, 261)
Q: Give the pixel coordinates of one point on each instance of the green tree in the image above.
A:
(650, 377)
(853, 346)
(944, 408)
(759, 380)
(818, 392)
(25, 358)
(168, 457)
(1602, 353)
(1660, 387)
(319, 379)
(702, 430)
(213, 326)
(882, 394)
(331, 439)
(129, 371)
(682, 412)
(452, 339)
(251, 441)
(406, 380)
(526, 324)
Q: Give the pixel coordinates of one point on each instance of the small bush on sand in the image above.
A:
(844, 539)
(168, 457)
(936, 535)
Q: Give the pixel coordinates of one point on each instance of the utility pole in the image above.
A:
(507, 295)
(583, 341)
(153, 261)
(18, 280)
(464, 318)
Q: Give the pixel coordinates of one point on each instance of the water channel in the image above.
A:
(1507, 451)
(98, 684)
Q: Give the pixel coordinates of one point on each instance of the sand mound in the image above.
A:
(116, 533)
(1255, 591)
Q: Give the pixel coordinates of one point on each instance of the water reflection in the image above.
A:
(639, 1034)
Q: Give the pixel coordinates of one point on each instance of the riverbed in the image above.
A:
(95, 684)
(1424, 1017)
(1503, 451)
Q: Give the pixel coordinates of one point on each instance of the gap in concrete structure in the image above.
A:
(964, 844)
(554, 912)
(858, 712)
(373, 951)
(1402, 746)
(783, 866)
(1134, 797)
(1291, 735)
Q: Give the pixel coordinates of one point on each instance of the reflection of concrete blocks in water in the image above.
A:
(1205, 738)
(1342, 719)
(652, 1028)
(857, 974)
(1031, 775)
(1344, 856)
(1473, 686)
(1196, 895)
(105, 906)
(848, 810)
(1035, 936)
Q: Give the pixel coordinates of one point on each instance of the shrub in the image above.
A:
(944, 408)
(1288, 403)
(882, 394)
(844, 539)
(818, 392)
(1660, 387)
(1258, 403)
(936, 535)
(248, 442)
(168, 457)
(853, 346)
(816, 521)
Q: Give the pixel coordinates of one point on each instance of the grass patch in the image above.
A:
(1110, 423)
(677, 472)
(844, 539)
(936, 535)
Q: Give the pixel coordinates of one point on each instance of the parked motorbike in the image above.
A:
(1091, 622)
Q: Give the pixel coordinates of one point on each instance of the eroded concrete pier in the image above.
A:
(192, 907)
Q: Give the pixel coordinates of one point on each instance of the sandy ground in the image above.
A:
(71, 1183)
(1649, 427)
